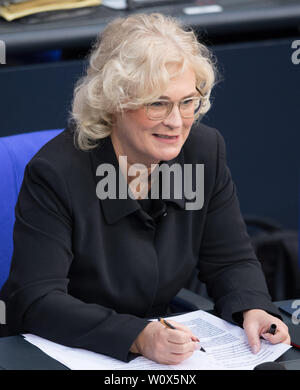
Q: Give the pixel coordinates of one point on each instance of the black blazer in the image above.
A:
(88, 273)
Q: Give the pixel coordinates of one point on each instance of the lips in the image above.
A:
(165, 136)
(166, 139)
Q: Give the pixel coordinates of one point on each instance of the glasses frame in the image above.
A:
(171, 106)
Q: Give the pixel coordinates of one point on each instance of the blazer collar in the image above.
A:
(115, 209)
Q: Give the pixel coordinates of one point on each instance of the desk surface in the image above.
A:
(18, 354)
(77, 28)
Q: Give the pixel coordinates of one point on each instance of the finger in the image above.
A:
(179, 326)
(281, 336)
(183, 348)
(182, 339)
(252, 333)
(177, 336)
(185, 329)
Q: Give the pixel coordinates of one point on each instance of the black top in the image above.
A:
(147, 205)
(88, 273)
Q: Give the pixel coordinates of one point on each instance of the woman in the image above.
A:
(90, 266)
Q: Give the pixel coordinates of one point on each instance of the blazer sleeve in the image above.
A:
(36, 292)
(227, 263)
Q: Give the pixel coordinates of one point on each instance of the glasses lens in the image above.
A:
(161, 109)
(158, 110)
(189, 107)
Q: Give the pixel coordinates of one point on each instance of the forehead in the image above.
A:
(181, 85)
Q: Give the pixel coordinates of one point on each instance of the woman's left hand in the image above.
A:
(257, 322)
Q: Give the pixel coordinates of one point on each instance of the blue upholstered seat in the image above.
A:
(15, 152)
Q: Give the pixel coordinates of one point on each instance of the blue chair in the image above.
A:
(15, 152)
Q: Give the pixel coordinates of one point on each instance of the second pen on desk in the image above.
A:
(170, 326)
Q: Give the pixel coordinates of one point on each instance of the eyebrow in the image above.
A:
(185, 97)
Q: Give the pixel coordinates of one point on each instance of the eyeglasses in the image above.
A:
(161, 109)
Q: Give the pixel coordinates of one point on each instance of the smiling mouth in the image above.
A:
(166, 136)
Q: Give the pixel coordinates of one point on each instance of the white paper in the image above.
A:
(192, 10)
(225, 344)
(202, 9)
(115, 4)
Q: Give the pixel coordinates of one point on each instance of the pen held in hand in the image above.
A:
(170, 326)
(166, 323)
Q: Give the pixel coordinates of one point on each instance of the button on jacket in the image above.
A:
(88, 273)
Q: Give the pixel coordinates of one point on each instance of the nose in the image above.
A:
(174, 119)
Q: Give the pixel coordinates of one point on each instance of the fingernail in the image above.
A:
(254, 349)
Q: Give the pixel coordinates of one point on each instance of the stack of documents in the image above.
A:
(14, 10)
(226, 348)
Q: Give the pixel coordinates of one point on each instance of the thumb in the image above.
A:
(252, 333)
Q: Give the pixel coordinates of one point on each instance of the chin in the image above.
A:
(168, 155)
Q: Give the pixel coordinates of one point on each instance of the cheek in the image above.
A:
(141, 123)
(187, 126)
(138, 117)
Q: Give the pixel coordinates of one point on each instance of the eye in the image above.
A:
(157, 104)
(187, 102)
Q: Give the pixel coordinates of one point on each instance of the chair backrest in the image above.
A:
(15, 152)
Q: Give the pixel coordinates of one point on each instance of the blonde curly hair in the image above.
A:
(128, 68)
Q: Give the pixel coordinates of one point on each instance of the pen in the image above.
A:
(166, 323)
(272, 329)
(170, 326)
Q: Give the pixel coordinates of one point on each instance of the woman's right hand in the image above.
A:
(164, 345)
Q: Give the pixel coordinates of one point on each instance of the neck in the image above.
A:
(138, 174)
